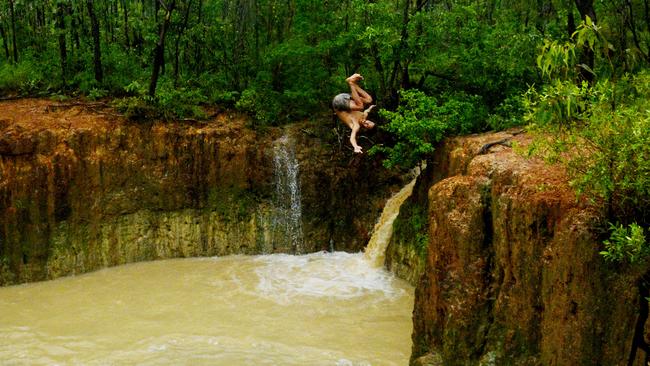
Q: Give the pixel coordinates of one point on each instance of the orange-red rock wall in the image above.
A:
(512, 273)
(82, 189)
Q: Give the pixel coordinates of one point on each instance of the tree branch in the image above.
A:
(630, 22)
(162, 3)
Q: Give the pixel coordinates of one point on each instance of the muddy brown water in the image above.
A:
(317, 309)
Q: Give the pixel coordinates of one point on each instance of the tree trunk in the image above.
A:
(374, 50)
(108, 24)
(646, 12)
(186, 19)
(646, 9)
(116, 16)
(269, 23)
(159, 51)
(41, 29)
(198, 51)
(635, 37)
(5, 42)
(60, 27)
(75, 31)
(82, 18)
(13, 30)
(256, 29)
(292, 12)
(97, 52)
(126, 23)
(398, 52)
(586, 9)
(570, 23)
(41, 14)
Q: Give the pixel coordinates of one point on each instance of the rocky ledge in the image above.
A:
(510, 273)
(82, 188)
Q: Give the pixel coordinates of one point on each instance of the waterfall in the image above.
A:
(287, 210)
(376, 250)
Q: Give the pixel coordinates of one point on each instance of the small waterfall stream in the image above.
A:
(287, 211)
(375, 252)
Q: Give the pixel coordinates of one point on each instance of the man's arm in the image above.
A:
(353, 138)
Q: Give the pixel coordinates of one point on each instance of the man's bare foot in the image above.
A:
(367, 111)
(354, 78)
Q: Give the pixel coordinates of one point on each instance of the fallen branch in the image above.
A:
(309, 133)
(485, 148)
(12, 97)
(504, 142)
(54, 107)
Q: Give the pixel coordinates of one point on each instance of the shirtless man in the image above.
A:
(349, 108)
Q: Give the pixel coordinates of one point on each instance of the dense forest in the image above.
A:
(572, 72)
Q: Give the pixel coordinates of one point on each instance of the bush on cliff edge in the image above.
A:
(601, 131)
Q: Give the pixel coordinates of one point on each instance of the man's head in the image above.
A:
(368, 124)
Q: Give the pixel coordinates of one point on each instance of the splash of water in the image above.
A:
(287, 215)
(338, 275)
(375, 252)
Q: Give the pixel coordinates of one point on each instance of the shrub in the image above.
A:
(24, 77)
(604, 141)
(169, 103)
(601, 132)
(134, 107)
(179, 102)
(262, 104)
(626, 244)
(421, 121)
(120, 69)
(507, 114)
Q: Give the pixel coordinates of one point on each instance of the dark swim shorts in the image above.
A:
(341, 102)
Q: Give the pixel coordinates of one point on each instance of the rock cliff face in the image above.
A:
(504, 258)
(512, 274)
(81, 189)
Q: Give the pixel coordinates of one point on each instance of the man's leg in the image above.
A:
(359, 97)
(353, 138)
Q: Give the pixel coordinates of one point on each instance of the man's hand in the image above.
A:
(357, 150)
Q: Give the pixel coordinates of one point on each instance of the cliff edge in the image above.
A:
(512, 274)
(82, 188)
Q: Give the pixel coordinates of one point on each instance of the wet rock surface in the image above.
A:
(512, 274)
(82, 188)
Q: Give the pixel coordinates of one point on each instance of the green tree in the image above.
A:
(600, 130)
(422, 121)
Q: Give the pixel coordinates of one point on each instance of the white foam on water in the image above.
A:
(339, 275)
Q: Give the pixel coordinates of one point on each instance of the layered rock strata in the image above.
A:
(81, 188)
(512, 274)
